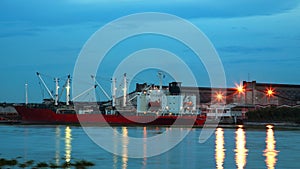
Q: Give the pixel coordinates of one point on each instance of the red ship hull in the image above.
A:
(47, 116)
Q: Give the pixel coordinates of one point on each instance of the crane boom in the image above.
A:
(86, 91)
(43, 82)
(101, 88)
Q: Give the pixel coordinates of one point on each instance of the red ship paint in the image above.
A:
(48, 116)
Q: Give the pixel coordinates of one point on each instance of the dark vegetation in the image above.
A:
(274, 114)
(13, 163)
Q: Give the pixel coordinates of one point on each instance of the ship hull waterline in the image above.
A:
(48, 116)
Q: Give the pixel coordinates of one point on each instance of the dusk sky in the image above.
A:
(256, 40)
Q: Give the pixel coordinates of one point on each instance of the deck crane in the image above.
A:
(57, 95)
(44, 84)
(84, 92)
(101, 88)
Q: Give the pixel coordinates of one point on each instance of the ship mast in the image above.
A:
(114, 92)
(26, 93)
(56, 91)
(68, 91)
(160, 75)
(124, 90)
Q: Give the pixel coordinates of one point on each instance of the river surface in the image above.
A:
(266, 147)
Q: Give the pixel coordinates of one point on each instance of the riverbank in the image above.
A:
(279, 116)
(15, 162)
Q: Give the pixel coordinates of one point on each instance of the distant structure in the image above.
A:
(246, 94)
(271, 94)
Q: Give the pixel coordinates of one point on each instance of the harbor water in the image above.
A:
(238, 147)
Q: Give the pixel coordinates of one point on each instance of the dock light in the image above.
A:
(270, 92)
(219, 96)
(240, 88)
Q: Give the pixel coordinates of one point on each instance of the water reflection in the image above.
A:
(115, 157)
(145, 146)
(270, 153)
(219, 150)
(57, 145)
(68, 146)
(240, 148)
(125, 142)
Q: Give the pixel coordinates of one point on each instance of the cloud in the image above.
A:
(62, 50)
(248, 50)
(51, 12)
(16, 29)
(14, 34)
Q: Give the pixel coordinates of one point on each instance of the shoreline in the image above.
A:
(250, 124)
(277, 125)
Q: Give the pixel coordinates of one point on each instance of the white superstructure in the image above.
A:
(162, 102)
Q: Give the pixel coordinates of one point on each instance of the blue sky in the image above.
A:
(252, 37)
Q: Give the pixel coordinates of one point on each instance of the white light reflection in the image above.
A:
(240, 148)
(115, 157)
(57, 145)
(270, 153)
(125, 141)
(219, 150)
(68, 146)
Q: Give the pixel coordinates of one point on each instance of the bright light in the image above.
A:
(270, 152)
(240, 88)
(270, 92)
(219, 96)
(241, 151)
(219, 148)
(68, 143)
(269, 126)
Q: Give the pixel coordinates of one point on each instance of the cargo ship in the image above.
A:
(148, 105)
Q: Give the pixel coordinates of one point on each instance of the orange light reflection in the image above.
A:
(241, 151)
(270, 153)
(219, 149)
(145, 147)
